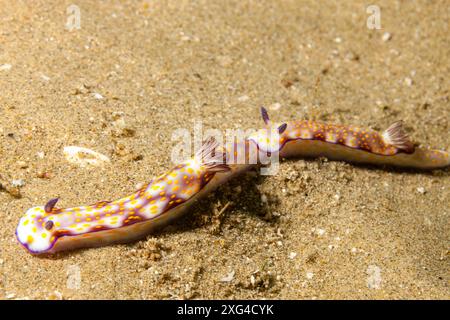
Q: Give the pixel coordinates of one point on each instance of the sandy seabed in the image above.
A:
(137, 70)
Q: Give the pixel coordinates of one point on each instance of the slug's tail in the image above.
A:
(410, 156)
(422, 159)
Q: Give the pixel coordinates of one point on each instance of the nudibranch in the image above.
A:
(348, 143)
(47, 229)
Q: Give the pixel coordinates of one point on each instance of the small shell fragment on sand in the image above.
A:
(18, 183)
(243, 98)
(98, 96)
(386, 36)
(84, 156)
(229, 277)
(318, 231)
(10, 296)
(408, 81)
(373, 277)
(15, 192)
(292, 255)
(263, 198)
(56, 295)
(274, 107)
(421, 190)
(5, 66)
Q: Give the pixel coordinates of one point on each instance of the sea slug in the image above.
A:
(47, 229)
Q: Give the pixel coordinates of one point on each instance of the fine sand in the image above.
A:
(136, 71)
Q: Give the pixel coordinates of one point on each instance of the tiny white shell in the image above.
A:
(98, 96)
(5, 66)
(84, 157)
(229, 277)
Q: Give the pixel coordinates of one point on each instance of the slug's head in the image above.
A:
(36, 230)
(271, 138)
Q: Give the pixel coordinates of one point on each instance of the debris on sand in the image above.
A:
(243, 98)
(17, 183)
(292, 255)
(22, 164)
(264, 198)
(10, 296)
(43, 174)
(318, 231)
(408, 81)
(386, 36)
(217, 218)
(5, 66)
(97, 96)
(421, 190)
(12, 189)
(373, 277)
(84, 156)
(119, 127)
(56, 295)
(229, 277)
(276, 106)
